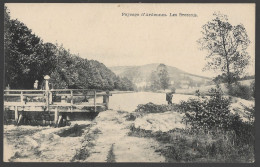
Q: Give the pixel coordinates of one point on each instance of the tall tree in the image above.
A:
(22, 55)
(159, 79)
(7, 42)
(226, 45)
(154, 80)
(163, 76)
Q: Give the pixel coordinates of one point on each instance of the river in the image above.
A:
(129, 101)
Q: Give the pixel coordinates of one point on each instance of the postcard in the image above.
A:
(121, 82)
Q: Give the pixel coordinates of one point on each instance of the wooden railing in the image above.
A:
(42, 100)
(45, 97)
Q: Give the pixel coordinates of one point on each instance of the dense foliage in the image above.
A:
(208, 113)
(242, 91)
(28, 58)
(223, 78)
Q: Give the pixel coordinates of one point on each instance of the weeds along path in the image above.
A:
(111, 143)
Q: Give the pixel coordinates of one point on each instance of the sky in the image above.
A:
(100, 32)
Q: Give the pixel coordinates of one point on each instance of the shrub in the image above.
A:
(197, 93)
(130, 117)
(242, 91)
(207, 113)
(214, 113)
(154, 108)
(150, 108)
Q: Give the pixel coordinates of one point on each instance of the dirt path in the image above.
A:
(105, 139)
(112, 138)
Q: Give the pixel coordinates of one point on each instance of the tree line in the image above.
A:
(28, 58)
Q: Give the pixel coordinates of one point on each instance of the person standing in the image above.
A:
(35, 85)
(169, 97)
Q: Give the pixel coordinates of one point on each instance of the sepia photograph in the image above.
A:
(129, 82)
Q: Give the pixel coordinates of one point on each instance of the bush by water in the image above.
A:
(214, 134)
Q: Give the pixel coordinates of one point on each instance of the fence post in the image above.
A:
(47, 100)
(106, 100)
(7, 88)
(59, 120)
(16, 113)
(22, 97)
(50, 97)
(95, 95)
(71, 101)
(47, 89)
(47, 77)
(56, 116)
(20, 119)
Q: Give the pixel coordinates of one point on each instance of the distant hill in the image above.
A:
(140, 75)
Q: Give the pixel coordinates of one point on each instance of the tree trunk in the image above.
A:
(228, 74)
(226, 56)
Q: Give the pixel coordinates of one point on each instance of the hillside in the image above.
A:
(140, 75)
(28, 58)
